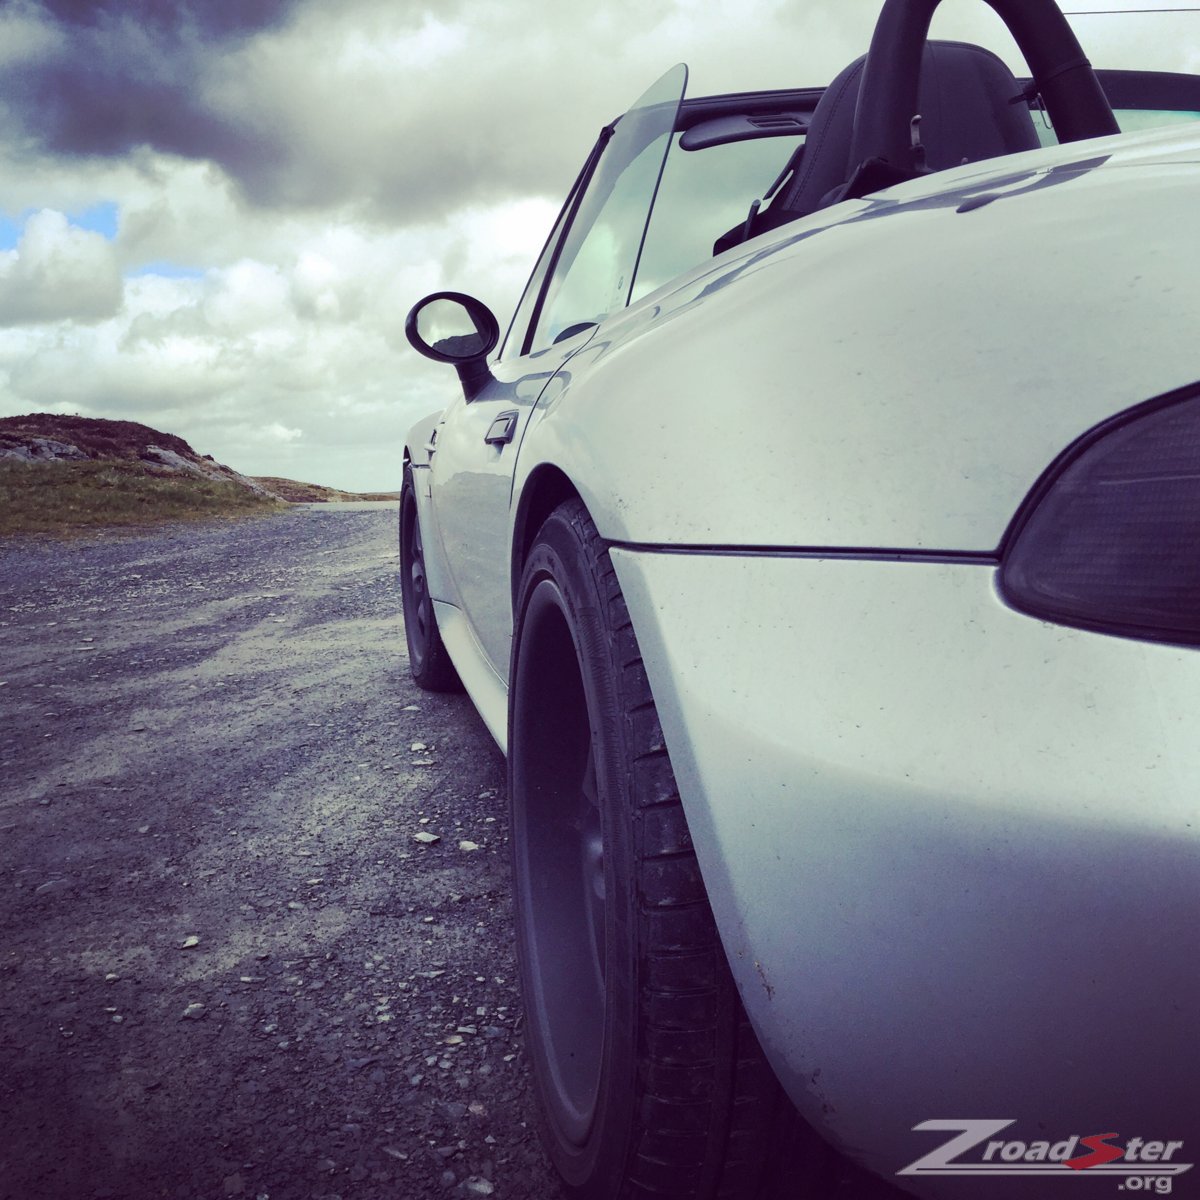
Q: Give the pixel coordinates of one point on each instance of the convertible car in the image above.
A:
(821, 543)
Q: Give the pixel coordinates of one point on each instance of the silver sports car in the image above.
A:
(822, 545)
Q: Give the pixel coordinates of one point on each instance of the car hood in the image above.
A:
(894, 372)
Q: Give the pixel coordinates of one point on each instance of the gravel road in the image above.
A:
(255, 926)
(226, 966)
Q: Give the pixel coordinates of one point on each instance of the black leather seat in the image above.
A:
(967, 113)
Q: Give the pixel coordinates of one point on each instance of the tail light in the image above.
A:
(1110, 537)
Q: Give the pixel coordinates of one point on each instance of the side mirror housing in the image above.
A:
(451, 327)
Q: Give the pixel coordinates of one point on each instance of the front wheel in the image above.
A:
(428, 661)
(649, 1080)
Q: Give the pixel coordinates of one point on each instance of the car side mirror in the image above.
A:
(451, 327)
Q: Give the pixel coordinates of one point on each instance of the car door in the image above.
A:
(472, 460)
(586, 271)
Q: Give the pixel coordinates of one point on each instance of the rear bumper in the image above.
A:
(953, 852)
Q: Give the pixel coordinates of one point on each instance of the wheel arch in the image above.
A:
(597, 1062)
(547, 487)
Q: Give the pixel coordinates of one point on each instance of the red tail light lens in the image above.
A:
(1110, 539)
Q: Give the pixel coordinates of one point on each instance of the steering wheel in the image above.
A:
(888, 98)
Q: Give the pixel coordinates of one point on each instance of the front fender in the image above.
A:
(420, 437)
(418, 454)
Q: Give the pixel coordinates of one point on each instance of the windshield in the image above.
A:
(598, 260)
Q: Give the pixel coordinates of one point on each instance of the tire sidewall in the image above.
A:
(417, 653)
(561, 569)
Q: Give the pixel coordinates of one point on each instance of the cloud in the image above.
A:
(295, 367)
(291, 175)
(58, 272)
(103, 76)
(390, 108)
(403, 112)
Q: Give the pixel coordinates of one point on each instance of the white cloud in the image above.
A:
(246, 298)
(58, 273)
(321, 291)
(323, 172)
(281, 433)
(297, 366)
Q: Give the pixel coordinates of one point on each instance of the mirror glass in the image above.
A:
(448, 327)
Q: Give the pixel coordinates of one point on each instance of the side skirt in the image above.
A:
(486, 689)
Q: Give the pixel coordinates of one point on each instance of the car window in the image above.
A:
(598, 276)
(597, 259)
(1130, 120)
(609, 255)
(705, 193)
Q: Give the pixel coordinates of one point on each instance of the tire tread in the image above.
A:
(703, 1128)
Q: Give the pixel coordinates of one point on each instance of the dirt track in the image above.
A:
(228, 966)
(207, 734)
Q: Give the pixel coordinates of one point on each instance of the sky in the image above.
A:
(215, 214)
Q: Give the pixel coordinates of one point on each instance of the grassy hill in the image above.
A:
(313, 493)
(64, 474)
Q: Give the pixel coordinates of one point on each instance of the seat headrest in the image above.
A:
(967, 113)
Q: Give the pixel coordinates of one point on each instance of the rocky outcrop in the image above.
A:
(206, 468)
(53, 437)
(41, 449)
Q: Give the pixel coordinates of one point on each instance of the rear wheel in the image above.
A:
(649, 1079)
(428, 661)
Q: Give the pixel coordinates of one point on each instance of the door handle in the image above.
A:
(501, 430)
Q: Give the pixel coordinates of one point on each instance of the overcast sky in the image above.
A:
(214, 214)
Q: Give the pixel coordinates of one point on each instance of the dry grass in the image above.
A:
(73, 497)
(315, 493)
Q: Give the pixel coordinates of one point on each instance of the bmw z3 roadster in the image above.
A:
(821, 543)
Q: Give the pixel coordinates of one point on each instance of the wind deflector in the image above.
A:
(596, 263)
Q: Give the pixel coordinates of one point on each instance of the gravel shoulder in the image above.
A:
(227, 968)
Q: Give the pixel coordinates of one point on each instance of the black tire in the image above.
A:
(428, 661)
(649, 1080)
